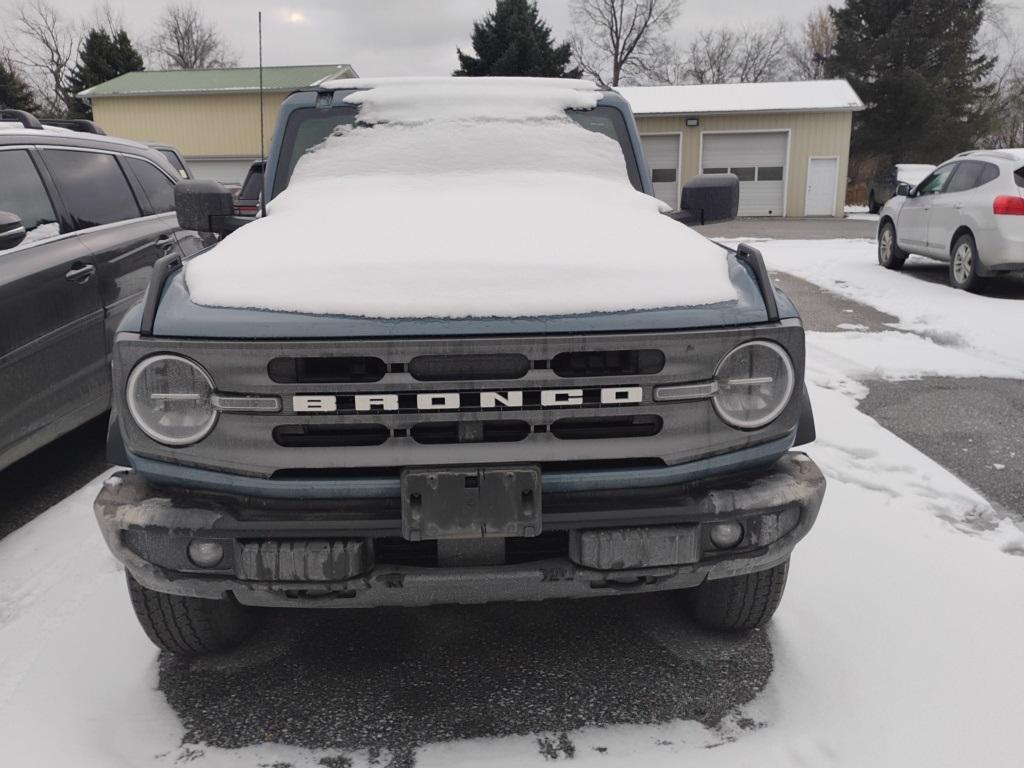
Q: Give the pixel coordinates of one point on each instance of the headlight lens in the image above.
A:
(169, 398)
(755, 382)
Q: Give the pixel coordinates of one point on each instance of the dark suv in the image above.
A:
(82, 219)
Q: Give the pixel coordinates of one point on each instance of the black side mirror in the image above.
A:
(12, 231)
(708, 198)
(206, 206)
(903, 189)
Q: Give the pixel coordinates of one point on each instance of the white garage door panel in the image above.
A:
(662, 154)
(728, 151)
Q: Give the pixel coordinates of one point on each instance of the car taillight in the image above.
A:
(1008, 205)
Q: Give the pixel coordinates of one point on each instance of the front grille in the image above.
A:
(330, 435)
(468, 367)
(632, 362)
(451, 432)
(609, 428)
(368, 407)
(423, 554)
(326, 370)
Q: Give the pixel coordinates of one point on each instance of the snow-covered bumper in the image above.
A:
(351, 553)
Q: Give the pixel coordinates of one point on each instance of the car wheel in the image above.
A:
(189, 626)
(963, 265)
(738, 603)
(890, 255)
(873, 206)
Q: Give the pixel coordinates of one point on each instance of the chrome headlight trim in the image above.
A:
(133, 379)
(764, 421)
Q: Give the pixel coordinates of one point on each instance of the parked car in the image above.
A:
(83, 217)
(968, 212)
(247, 202)
(175, 158)
(882, 187)
(411, 452)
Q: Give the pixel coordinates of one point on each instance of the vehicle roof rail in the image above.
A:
(80, 125)
(25, 118)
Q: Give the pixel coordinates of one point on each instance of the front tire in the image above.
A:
(963, 265)
(738, 603)
(890, 255)
(189, 626)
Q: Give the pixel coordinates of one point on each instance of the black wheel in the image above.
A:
(963, 265)
(189, 626)
(873, 206)
(890, 255)
(739, 603)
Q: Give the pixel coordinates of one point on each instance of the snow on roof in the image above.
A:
(451, 207)
(798, 96)
(461, 82)
(913, 173)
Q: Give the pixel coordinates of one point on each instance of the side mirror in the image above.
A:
(709, 198)
(903, 189)
(12, 231)
(206, 206)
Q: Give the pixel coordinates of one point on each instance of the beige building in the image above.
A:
(212, 115)
(788, 142)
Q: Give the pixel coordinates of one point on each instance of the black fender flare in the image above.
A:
(805, 431)
(117, 454)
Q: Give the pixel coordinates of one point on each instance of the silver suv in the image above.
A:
(968, 212)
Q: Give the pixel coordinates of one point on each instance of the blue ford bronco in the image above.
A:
(307, 459)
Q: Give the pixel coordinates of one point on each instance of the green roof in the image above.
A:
(216, 80)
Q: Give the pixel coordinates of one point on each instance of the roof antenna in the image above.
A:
(263, 154)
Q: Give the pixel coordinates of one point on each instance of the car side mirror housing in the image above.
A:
(709, 198)
(12, 230)
(206, 206)
(903, 189)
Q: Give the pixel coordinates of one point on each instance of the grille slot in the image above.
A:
(468, 367)
(610, 427)
(330, 435)
(326, 370)
(633, 362)
(451, 432)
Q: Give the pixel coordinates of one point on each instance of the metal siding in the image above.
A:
(812, 134)
(207, 125)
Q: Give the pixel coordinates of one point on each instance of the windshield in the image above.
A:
(308, 128)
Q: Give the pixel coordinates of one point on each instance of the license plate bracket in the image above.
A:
(471, 503)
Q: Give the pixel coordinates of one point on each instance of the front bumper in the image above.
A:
(322, 553)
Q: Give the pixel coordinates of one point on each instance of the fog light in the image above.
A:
(205, 554)
(726, 535)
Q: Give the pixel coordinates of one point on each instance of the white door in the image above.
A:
(759, 159)
(662, 153)
(822, 185)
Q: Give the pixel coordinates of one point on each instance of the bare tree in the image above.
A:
(813, 46)
(999, 38)
(45, 47)
(184, 39)
(742, 55)
(107, 18)
(616, 40)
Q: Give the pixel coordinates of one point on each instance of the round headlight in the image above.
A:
(169, 398)
(755, 382)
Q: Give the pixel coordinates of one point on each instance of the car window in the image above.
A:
(934, 183)
(990, 172)
(172, 158)
(158, 188)
(93, 187)
(965, 177)
(23, 194)
(253, 185)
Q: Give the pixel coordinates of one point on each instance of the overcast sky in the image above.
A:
(402, 37)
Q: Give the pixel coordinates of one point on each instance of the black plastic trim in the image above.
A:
(753, 258)
(162, 269)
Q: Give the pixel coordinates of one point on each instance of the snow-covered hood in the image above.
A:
(463, 201)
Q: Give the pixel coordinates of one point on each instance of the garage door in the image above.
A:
(759, 159)
(662, 153)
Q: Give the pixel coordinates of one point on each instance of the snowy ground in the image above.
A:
(899, 641)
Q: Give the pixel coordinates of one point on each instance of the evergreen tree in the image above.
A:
(101, 58)
(15, 92)
(917, 67)
(514, 41)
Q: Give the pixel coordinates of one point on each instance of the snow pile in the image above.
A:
(796, 96)
(451, 208)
